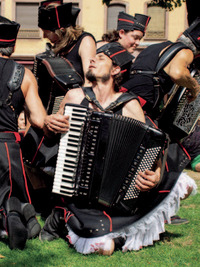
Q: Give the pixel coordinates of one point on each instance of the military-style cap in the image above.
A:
(57, 17)
(117, 54)
(8, 32)
(193, 32)
(130, 23)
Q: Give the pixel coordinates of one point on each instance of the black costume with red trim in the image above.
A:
(71, 53)
(142, 82)
(91, 222)
(12, 175)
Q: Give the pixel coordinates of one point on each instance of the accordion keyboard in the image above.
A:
(68, 153)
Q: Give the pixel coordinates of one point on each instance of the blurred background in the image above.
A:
(96, 18)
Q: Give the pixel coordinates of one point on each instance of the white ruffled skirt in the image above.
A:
(144, 231)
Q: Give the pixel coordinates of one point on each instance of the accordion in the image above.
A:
(178, 116)
(100, 156)
(55, 76)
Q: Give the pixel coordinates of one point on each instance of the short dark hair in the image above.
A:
(7, 51)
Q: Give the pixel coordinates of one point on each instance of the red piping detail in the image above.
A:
(185, 151)
(142, 101)
(109, 220)
(122, 71)
(37, 150)
(119, 52)
(18, 137)
(164, 191)
(24, 174)
(67, 219)
(57, 17)
(166, 166)
(127, 20)
(153, 122)
(4, 40)
(9, 169)
(146, 24)
(123, 89)
(198, 38)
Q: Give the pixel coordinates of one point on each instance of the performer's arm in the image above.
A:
(87, 50)
(34, 108)
(178, 70)
(133, 110)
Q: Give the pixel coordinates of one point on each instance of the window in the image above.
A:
(112, 15)
(157, 25)
(27, 17)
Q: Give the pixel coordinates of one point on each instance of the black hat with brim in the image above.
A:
(8, 32)
(130, 23)
(57, 17)
(119, 56)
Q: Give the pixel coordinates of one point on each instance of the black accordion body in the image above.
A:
(100, 156)
(178, 116)
(55, 76)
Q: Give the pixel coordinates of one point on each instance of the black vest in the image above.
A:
(10, 107)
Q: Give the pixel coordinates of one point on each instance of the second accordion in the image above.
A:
(101, 154)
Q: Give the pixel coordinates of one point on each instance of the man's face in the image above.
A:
(100, 68)
(130, 40)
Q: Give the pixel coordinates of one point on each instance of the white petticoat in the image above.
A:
(144, 231)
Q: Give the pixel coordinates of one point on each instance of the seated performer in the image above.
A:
(18, 88)
(101, 229)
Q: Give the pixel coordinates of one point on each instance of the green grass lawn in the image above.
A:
(179, 246)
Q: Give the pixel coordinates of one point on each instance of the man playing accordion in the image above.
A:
(99, 228)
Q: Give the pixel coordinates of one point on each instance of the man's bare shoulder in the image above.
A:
(75, 95)
(133, 110)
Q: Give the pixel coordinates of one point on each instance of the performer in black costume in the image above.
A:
(18, 88)
(58, 22)
(175, 70)
(152, 86)
(92, 230)
(71, 42)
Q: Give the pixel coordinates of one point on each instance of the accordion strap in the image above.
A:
(125, 97)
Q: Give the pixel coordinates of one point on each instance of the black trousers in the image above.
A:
(13, 181)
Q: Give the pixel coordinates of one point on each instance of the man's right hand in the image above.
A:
(57, 123)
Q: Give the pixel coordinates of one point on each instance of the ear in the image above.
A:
(115, 70)
(121, 33)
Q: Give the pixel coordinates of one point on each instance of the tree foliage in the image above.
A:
(167, 4)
